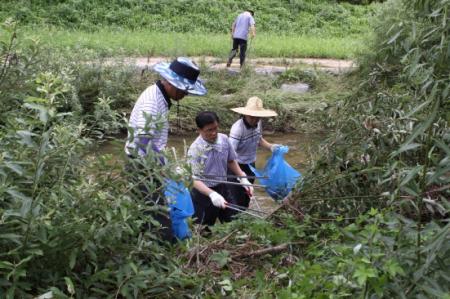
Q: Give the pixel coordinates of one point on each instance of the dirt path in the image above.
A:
(261, 65)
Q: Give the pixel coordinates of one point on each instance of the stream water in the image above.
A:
(300, 147)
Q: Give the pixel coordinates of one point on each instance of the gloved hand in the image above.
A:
(218, 200)
(248, 186)
(275, 146)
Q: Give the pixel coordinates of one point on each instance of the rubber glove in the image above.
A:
(248, 186)
(274, 147)
(218, 200)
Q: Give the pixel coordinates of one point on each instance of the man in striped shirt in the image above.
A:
(149, 124)
(245, 138)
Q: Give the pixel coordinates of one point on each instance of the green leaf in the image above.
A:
(17, 194)
(363, 273)
(134, 268)
(43, 111)
(26, 207)
(411, 174)
(6, 265)
(394, 37)
(12, 237)
(69, 284)
(419, 129)
(14, 167)
(394, 268)
(442, 146)
(405, 148)
(221, 258)
(73, 258)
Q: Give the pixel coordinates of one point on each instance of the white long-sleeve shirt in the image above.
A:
(148, 119)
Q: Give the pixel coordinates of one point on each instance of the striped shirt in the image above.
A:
(245, 141)
(148, 122)
(211, 159)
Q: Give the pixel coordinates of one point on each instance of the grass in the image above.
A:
(144, 43)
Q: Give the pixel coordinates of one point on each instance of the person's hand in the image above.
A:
(274, 147)
(247, 185)
(218, 200)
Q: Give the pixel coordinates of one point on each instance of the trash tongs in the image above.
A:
(251, 212)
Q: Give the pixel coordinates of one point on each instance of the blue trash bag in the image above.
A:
(181, 208)
(281, 177)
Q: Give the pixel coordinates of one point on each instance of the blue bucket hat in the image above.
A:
(182, 73)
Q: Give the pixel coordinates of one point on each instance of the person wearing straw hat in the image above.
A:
(242, 25)
(245, 138)
(210, 156)
(149, 124)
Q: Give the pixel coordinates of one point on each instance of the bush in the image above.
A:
(71, 226)
(287, 17)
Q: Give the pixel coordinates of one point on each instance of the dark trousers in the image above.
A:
(205, 212)
(151, 198)
(238, 194)
(242, 44)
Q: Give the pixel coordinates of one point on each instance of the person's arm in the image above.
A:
(216, 199)
(268, 146)
(253, 31)
(233, 27)
(264, 144)
(234, 167)
(202, 188)
(252, 27)
(149, 124)
(235, 136)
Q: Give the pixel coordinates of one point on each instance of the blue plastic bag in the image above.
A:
(181, 208)
(281, 177)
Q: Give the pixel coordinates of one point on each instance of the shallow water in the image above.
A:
(300, 147)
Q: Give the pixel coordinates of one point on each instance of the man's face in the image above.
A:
(179, 94)
(173, 92)
(209, 132)
(252, 120)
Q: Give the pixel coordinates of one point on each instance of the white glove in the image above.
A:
(218, 200)
(274, 147)
(248, 186)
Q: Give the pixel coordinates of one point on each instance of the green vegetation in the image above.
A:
(167, 28)
(143, 43)
(318, 17)
(370, 219)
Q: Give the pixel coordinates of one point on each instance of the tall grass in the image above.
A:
(127, 42)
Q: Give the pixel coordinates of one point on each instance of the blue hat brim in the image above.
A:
(192, 87)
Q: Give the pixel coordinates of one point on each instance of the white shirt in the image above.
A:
(245, 141)
(148, 119)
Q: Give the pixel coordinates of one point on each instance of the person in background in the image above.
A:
(245, 138)
(210, 156)
(242, 25)
(149, 125)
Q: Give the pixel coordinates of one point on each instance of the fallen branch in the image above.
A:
(269, 250)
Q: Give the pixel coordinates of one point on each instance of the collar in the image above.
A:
(164, 93)
(247, 125)
(218, 145)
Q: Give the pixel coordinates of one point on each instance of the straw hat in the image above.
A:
(255, 108)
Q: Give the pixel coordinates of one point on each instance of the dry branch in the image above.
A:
(269, 250)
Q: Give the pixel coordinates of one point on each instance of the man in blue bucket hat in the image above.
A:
(149, 124)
